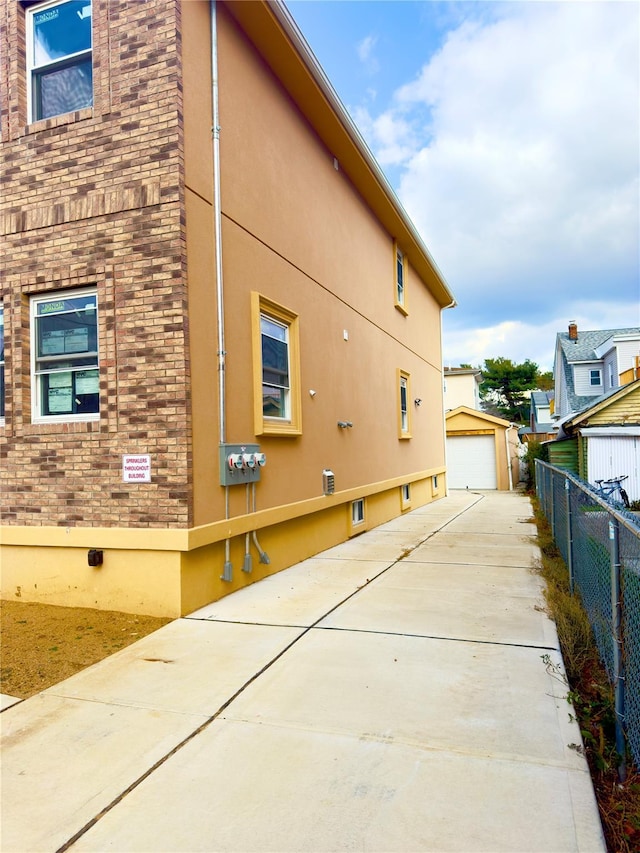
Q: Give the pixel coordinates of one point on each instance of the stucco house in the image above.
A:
(462, 387)
(590, 364)
(222, 332)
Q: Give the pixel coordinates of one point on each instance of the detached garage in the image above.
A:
(481, 450)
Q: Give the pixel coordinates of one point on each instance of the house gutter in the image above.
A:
(288, 24)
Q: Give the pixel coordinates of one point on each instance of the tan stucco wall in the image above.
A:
(296, 231)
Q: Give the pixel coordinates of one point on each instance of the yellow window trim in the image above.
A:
(265, 425)
(401, 306)
(400, 375)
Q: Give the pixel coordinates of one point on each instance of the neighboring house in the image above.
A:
(482, 451)
(461, 387)
(603, 440)
(223, 348)
(541, 427)
(589, 364)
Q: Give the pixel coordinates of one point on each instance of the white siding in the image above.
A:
(627, 351)
(582, 379)
(611, 370)
(611, 456)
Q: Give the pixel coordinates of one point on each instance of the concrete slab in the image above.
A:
(299, 596)
(186, 667)
(328, 791)
(481, 603)
(64, 760)
(7, 701)
(378, 544)
(447, 706)
(483, 549)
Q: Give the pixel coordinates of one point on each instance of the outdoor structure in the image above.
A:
(462, 387)
(603, 440)
(588, 365)
(482, 451)
(223, 349)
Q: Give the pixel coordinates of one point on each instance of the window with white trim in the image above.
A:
(1, 363)
(404, 416)
(595, 378)
(59, 58)
(357, 512)
(276, 385)
(400, 278)
(276, 368)
(64, 356)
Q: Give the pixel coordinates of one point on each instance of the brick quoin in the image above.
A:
(94, 198)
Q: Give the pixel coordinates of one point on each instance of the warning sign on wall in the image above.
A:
(136, 469)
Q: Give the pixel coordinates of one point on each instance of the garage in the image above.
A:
(471, 462)
(482, 450)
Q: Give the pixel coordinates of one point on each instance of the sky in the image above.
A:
(510, 132)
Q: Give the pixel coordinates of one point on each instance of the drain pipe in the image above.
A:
(506, 439)
(227, 573)
(264, 557)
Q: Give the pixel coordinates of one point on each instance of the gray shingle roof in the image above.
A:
(583, 349)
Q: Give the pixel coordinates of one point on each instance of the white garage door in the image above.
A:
(471, 462)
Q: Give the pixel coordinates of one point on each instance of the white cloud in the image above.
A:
(365, 53)
(519, 146)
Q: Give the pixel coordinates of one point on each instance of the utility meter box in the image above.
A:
(240, 463)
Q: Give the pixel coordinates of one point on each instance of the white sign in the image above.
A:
(136, 469)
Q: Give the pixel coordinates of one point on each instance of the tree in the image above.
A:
(504, 388)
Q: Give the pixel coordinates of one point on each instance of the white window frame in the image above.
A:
(285, 386)
(35, 70)
(404, 413)
(594, 373)
(357, 512)
(291, 423)
(38, 373)
(400, 267)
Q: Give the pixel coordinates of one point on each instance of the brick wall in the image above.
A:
(95, 198)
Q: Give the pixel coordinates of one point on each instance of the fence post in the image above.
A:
(552, 507)
(618, 673)
(567, 491)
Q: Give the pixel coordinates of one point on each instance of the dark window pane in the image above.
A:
(273, 402)
(64, 90)
(275, 361)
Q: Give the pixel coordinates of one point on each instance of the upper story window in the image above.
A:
(276, 355)
(59, 62)
(595, 378)
(400, 275)
(64, 356)
(1, 363)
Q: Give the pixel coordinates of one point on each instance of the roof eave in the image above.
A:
(270, 26)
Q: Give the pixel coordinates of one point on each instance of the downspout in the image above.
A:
(506, 439)
(227, 572)
(217, 221)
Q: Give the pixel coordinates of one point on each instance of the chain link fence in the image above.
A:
(601, 548)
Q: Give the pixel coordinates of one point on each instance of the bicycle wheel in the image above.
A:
(625, 498)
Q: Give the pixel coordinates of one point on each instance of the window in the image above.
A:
(595, 377)
(404, 419)
(357, 512)
(400, 277)
(406, 495)
(277, 405)
(64, 357)
(59, 61)
(1, 363)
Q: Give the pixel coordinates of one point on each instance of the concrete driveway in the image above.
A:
(390, 694)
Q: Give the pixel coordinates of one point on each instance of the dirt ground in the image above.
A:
(41, 644)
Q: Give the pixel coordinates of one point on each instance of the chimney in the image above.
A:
(573, 331)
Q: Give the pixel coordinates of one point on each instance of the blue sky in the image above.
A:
(510, 132)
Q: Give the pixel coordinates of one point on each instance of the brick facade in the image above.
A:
(94, 198)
